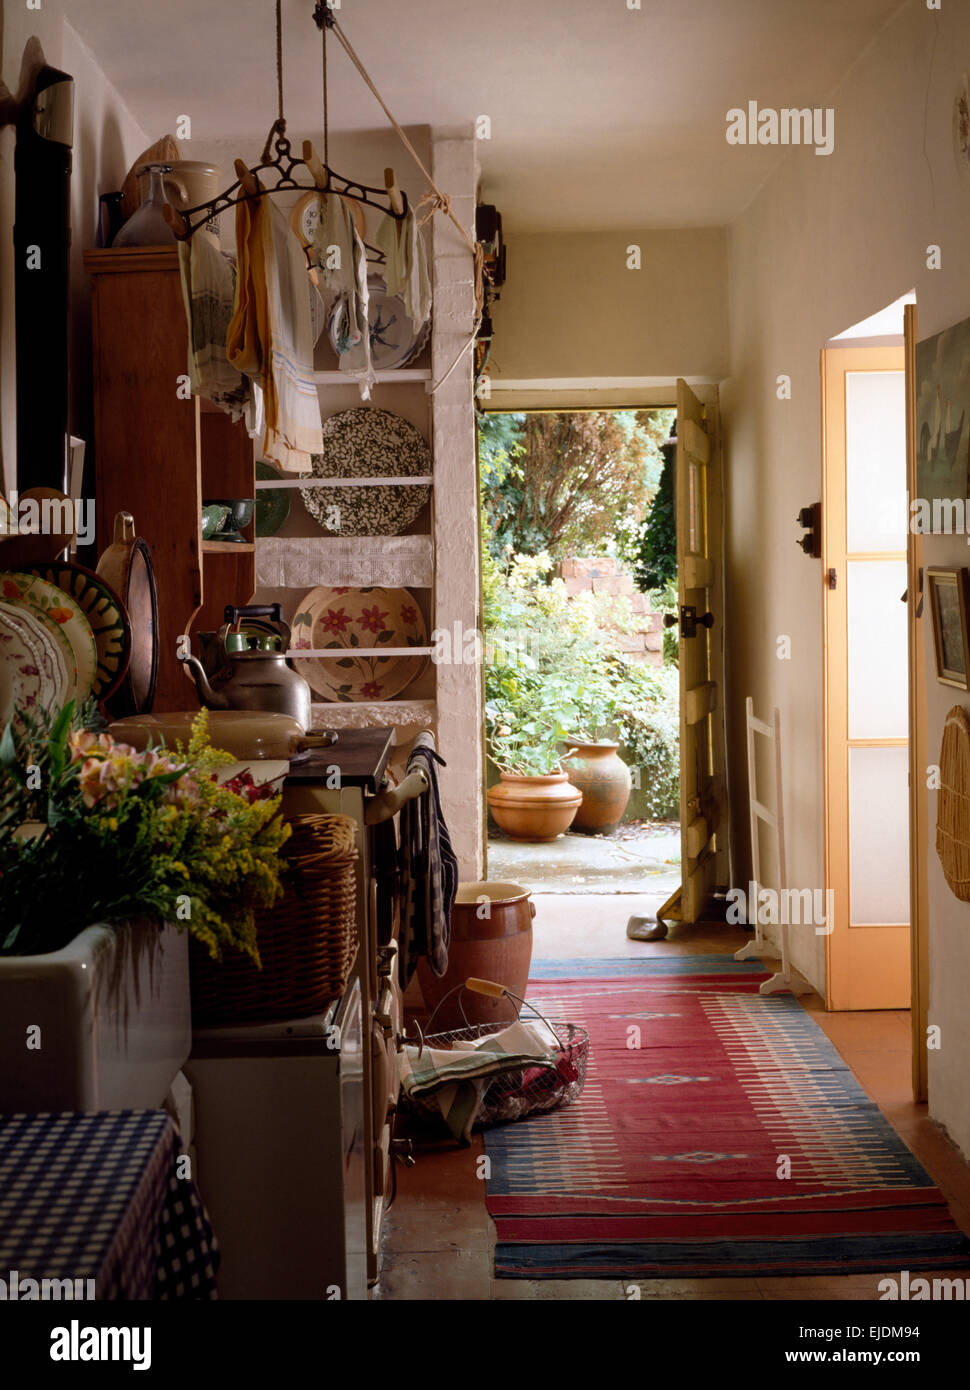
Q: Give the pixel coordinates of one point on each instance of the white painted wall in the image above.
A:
(827, 242)
(106, 141)
(573, 309)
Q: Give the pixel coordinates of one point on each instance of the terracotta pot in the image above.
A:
(602, 776)
(533, 808)
(491, 939)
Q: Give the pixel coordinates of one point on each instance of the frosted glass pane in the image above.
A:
(878, 837)
(878, 668)
(875, 461)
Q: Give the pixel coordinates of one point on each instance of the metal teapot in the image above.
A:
(254, 678)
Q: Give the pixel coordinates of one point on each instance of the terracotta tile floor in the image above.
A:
(438, 1237)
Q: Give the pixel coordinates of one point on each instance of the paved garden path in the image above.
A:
(642, 859)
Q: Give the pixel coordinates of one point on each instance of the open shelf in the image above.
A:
(224, 547)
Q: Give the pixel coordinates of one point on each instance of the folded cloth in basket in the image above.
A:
(457, 1078)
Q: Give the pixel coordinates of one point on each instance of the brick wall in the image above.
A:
(601, 574)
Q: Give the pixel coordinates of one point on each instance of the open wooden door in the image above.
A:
(703, 799)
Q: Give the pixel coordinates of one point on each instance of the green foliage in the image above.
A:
(91, 831)
(553, 672)
(568, 482)
(653, 550)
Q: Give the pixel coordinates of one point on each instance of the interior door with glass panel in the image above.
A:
(866, 678)
(703, 800)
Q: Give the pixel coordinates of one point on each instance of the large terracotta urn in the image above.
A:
(598, 771)
(491, 939)
(534, 808)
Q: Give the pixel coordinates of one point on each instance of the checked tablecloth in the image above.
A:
(97, 1196)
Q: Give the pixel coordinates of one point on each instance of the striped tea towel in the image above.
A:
(458, 1077)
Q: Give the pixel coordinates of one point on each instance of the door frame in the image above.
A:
(918, 745)
(843, 942)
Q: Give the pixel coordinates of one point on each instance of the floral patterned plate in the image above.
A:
(107, 619)
(21, 684)
(369, 443)
(365, 618)
(57, 666)
(55, 607)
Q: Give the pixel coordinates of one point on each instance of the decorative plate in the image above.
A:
(394, 341)
(53, 653)
(106, 617)
(40, 596)
(272, 504)
(359, 618)
(21, 683)
(368, 443)
(55, 656)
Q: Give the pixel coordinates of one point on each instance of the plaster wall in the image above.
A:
(827, 242)
(107, 139)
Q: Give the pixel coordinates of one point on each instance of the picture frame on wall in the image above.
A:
(943, 418)
(949, 595)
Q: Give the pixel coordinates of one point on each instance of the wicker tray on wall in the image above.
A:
(307, 943)
(953, 804)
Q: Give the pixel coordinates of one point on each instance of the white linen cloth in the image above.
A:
(406, 265)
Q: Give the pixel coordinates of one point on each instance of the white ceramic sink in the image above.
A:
(114, 1021)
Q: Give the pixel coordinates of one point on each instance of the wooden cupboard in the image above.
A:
(160, 451)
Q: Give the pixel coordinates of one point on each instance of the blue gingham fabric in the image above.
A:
(97, 1196)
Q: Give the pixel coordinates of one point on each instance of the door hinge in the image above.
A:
(831, 578)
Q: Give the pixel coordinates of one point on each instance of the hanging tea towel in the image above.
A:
(270, 337)
(208, 292)
(406, 268)
(340, 257)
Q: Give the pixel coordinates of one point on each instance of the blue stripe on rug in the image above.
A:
(581, 968)
(732, 1259)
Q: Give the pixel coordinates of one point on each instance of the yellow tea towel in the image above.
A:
(270, 336)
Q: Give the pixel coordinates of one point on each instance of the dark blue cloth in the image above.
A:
(428, 868)
(97, 1196)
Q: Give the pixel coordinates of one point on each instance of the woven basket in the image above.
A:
(307, 943)
(953, 804)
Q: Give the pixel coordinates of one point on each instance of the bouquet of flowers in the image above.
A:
(93, 831)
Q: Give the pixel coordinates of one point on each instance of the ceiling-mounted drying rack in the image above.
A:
(278, 156)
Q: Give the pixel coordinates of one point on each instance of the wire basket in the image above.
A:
(527, 1090)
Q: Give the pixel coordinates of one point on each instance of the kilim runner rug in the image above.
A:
(719, 1133)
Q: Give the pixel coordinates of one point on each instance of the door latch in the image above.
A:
(689, 621)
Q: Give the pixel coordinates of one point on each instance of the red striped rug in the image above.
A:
(719, 1133)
